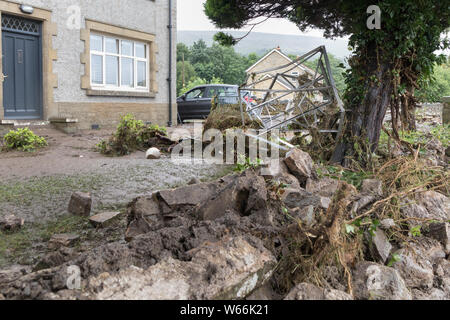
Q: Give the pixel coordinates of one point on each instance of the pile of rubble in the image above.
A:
(225, 240)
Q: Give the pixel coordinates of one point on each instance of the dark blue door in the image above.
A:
(22, 86)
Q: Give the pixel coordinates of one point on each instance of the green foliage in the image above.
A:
(416, 231)
(352, 177)
(198, 82)
(131, 135)
(338, 69)
(23, 139)
(207, 65)
(246, 163)
(395, 258)
(438, 86)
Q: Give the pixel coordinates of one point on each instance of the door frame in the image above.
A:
(41, 73)
(49, 55)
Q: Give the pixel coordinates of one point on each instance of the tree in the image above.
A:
(403, 48)
(439, 86)
(185, 74)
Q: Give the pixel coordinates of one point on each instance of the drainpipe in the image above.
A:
(169, 79)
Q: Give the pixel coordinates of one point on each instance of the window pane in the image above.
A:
(141, 74)
(112, 70)
(112, 45)
(97, 69)
(140, 50)
(127, 48)
(127, 72)
(96, 43)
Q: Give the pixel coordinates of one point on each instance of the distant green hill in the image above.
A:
(260, 43)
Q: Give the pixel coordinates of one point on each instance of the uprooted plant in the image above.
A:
(131, 135)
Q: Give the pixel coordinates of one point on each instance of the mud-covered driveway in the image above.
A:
(37, 186)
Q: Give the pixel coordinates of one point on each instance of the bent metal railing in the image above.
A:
(306, 98)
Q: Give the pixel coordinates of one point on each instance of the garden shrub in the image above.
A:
(23, 139)
(131, 135)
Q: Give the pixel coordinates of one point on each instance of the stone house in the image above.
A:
(88, 62)
(271, 60)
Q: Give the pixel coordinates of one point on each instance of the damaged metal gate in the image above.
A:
(306, 101)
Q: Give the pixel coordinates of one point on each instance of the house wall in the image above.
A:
(274, 60)
(266, 84)
(68, 98)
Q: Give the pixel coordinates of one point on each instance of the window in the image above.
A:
(118, 64)
(195, 94)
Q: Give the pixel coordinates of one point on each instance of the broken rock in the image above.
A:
(153, 154)
(229, 269)
(325, 187)
(381, 248)
(416, 262)
(300, 198)
(441, 232)
(11, 223)
(373, 187)
(103, 219)
(62, 240)
(300, 164)
(80, 204)
(371, 281)
(437, 205)
(307, 291)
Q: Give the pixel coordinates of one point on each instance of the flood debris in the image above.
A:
(103, 219)
(252, 234)
(80, 204)
(11, 223)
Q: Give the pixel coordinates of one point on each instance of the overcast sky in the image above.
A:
(191, 17)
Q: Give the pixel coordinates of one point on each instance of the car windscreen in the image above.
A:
(221, 91)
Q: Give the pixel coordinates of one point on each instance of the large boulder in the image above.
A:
(371, 281)
(245, 195)
(307, 291)
(229, 269)
(80, 204)
(300, 164)
(276, 170)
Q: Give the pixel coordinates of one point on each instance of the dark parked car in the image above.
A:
(196, 103)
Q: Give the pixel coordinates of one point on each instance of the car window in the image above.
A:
(196, 93)
(211, 92)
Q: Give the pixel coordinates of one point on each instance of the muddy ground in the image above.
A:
(37, 187)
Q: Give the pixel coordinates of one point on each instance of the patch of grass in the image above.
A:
(19, 246)
(339, 173)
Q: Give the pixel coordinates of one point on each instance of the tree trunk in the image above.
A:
(408, 111)
(365, 119)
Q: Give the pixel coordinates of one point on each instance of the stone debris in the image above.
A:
(325, 187)
(223, 239)
(80, 204)
(63, 240)
(441, 232)
(416, 262)
(381, 247)
(103, 219)
(193, 181)
(307, 291)
(371, 281)
(229, 269)
(300, 164)
(387, 224)
(11, 223)
(153, 154)
(372, 187)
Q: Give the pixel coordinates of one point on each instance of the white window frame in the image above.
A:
(120, 87)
